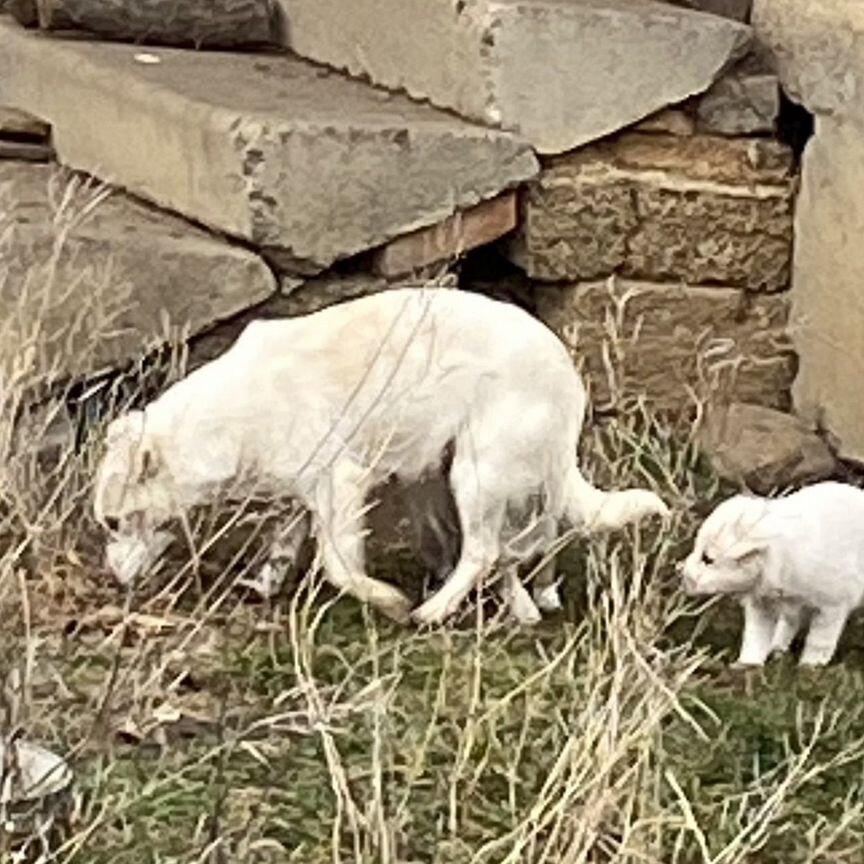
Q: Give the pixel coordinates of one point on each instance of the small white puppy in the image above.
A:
(788, 559)
(325, 407)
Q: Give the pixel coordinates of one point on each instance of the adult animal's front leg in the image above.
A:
(339, 506)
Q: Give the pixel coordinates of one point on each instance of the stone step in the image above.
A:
(92, 278)
(294, 158)
(698, 209)
(559, 72)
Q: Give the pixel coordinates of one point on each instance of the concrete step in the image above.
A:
(294, 158)
(89, 282)
(559, 72)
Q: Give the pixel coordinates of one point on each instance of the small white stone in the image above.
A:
(148, 59)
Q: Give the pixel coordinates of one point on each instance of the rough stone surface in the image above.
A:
(817, 49)
(745, 101)
(738, 10)
(267, 148)
(817, 46)
(193, 23)
(720, 342)
(614, 61)
(669, 121)
(828, 286)
(126, 275)
(702, 210)
(25, 151)
(766, 450)
(21, 124)
(462, 232)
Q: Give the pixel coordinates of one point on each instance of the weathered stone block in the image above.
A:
(828, 285)
(701, 210)
(818, 49)
(614, 61)
(21, 124)
(675, 340)
(745, 101)
(271, 149)
(669, 121)
(466, 230)
(88, 282)
(764, 449)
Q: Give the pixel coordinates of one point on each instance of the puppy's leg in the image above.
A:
(826, 627)
(338, 508)
(514, 593)
(284, 554)
(788, 625)
(481, 515)
(760, 620)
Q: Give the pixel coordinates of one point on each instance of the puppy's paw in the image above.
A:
(815, 660)
(525, 612)
(548, 598)
(268, 583)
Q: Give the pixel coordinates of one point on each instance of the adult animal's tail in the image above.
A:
(593, 509)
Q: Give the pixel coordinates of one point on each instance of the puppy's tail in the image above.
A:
(592, 509)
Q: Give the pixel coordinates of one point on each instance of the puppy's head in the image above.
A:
(132, 493)
(729, 552)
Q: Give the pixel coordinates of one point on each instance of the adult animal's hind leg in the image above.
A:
(338, 506)
(481, 516)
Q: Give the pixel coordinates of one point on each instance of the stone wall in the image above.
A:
(695, 231)
(641, 190)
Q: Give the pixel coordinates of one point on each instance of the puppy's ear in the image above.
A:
(746, 552)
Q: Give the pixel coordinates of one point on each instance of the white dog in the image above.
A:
(322, 408)
(785, 558)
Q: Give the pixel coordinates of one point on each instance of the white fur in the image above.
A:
(324, 407)
(788, 560)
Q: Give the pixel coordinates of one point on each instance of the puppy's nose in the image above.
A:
(112, 523)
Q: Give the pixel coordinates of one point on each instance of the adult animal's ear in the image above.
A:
(147, 463)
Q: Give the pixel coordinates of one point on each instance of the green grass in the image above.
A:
(223, 730)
